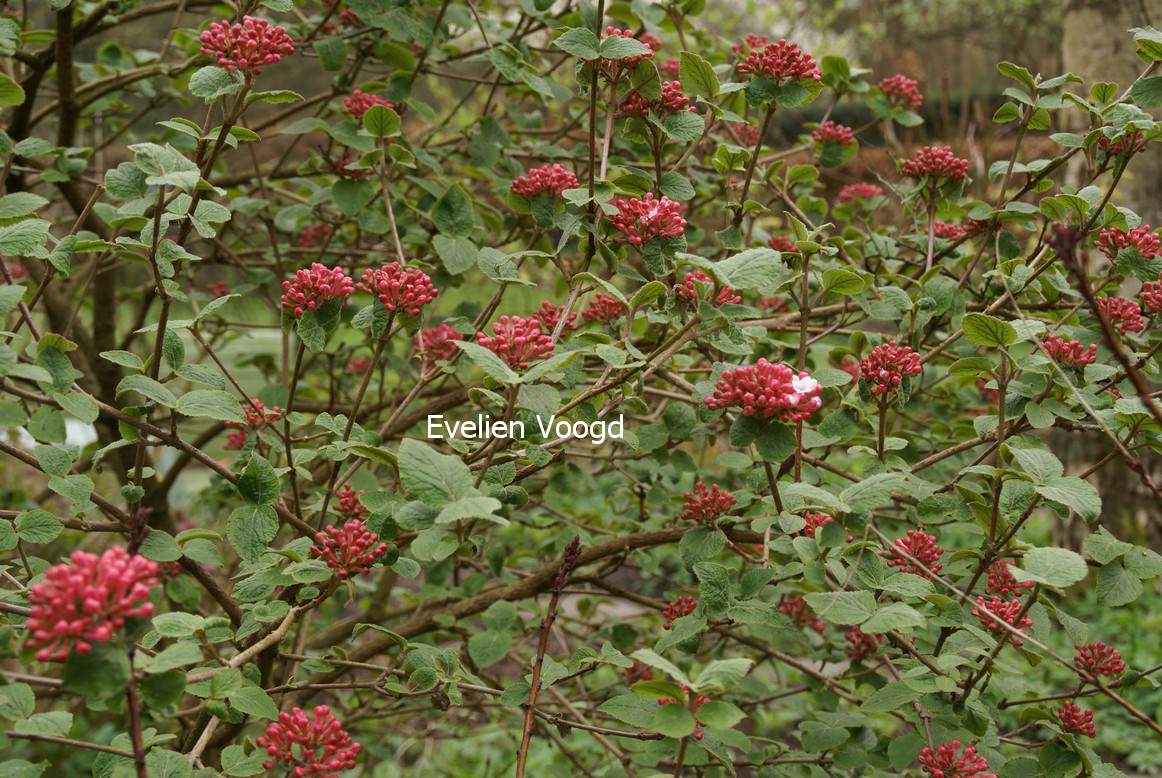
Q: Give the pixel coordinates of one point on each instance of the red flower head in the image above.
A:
(318, 285)
(706, 505)
(1124, 315)
(683, 606)
(1131, 142)
(348, 550)
(848, 364)
(349, 504)
(751, 43)
(639, 671)
(699, 701)
(1008, 611)
(547, 179)
(315, 235)
(604, 308)
(670, 68)
(358, 365)
(436, 343)
(1001, 581)
(886, 365)
(216, 288)
(780, 62)
(861, 645)
(640, 221)
(349, 18)
(746, 134)
(859, 192)
(767, 391)
(672, 101)
(836, 133)
(947, 231)
(518, 341)
(990, 396)
(942, 762)
(783, 244)
(1099, 659)
(345, 166)
(249, 46)
(901, 90)
(1075, 720)
(688, 290)
(1113, 240)
(936, 163)
(548, 315)
(1068, 352)
(795, 609)
(82, 603)
(772, 304)
(257, 417)
(815, 520)
(651, 40)
(399, 288)
(922, 547)
(358, 103)
(1150, 295)
(315, 746)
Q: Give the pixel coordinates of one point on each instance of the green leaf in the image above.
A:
(172, 657)
(985, 330)
(893, 616)
(251, 529)
(1104, 547)
(621, 47)
(872, 492)
(580, 42)
(381, 121)
(1058, 567)
(722, 675)
(24, 238)
(11, 93)
(433, 478)
(457, 253)
(332, 53)
(178, 624)
(453, 213)
(1147, 92)
(253, 701)
(633, 709)
(839, 280)
(20, 204)
(684, 126)
(1073, 493)
(845, 608)
(1117, 586)
(210, 404)
(148, 388)
(646, 656)
(697, 76)
(758, 268)
(775, 442)
(890, 697)
(259, 483)
(212, 83)
(472, 507)
(37, 526)
(818, 736)
(489, 362)
(16, 701)
(488, 648)
(673, 720)
(1039, 463)
(647, 294)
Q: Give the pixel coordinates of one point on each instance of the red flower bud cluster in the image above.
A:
(639, 671)
(990, 396)
(349, 504)
(920, 546)
(569, 559)
(1131, 142)
(1068, 352)
(1001, 581)
(1151, 295)
(673, 100)
(767, 390)
(348, 550)
(1099, 659)
(815, 520)
(604, 308)
(942, 762)
(699, 701)
(1143, 238)
(746, 134)
(937, 163)
(947, 231)
(670, 68)
(315, 286)
(344, 166)
(358, 103)
(751, 43)
(315, 746)
(706, 505)
(436, 343)
(780, 62)
(399, 288)
(683, 606)
(640, 221)
(901, 90)
(215, 288)
(859, 192)
(836, 133)
(1123, 314)
(518, 341)
(795, 609)
(257, 417)
(783, 244)
(772, 304)
(548, 315)
(19, 272)
(688, 290)
(315, 234)
(1075, 720)
(358, 365)
(886, 365)
(82, 603)
(1008, 611)
(250, 46)
(861, 645)
(547, 179)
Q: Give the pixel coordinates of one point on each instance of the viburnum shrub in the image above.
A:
(570, 388)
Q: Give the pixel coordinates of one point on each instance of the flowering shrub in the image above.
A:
(550, 388)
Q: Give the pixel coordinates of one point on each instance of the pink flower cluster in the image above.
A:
(838, 134)
(1008, 611)
(901, 90)
(1151, 295)
(746, 134)
(706, 505)
(782, 243)
(1075, 720)
(640, 221)
(1143, 238)
(82, 603)
(920, 546)
(358, 365)
(1123, 314)
(815, 520)
(548, 315)
(547, 179)
(315, 234)
(518, 341)
(638, 671)
(943, 762)
(249, 46)
(399, 288)
(1131, 142)
(935, 162)
(767, 390)
(795, 609)
(672, 101)
(349, 504)
(309, 746)
(348, 550)
(859, 192)
(670, 68)
(688, 290)
(947, 231)
(861, 645)
(683, 606)
(749, 44)
(358, 103)
(603, 308)
(1068, 352)
(780, 62)
(1099, 659)
(436, 343)
(1001, 581)
(318, 285)
(887, 365)
(257, 417)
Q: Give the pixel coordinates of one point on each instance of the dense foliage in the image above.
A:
(508, 406)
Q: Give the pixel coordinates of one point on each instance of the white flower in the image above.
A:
(804, 384)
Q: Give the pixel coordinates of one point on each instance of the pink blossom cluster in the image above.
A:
(1068, 352)
(604, 308)
(518, 341)
(815, 520)
(313, 235)
(838, 134)
(548, 315)
(947, 231)
(317, 285)
(767, 390)
(937, 163)
(673, 100)
(863, 191)
(547, 179)
(706, 505)
(436, 343)
(349, 504)
(780, 62)
(349, 549)
(688, 290)
(861, 645)
(782, 243)
(1131, 142)
(640, 221)
(920, 546)
(683, 606)
(1001, 581)
(795, 609)
(1099, 659)
(1112, 240)
(1009, 611)
(887, 365)
(84, 601)
(1151, 295)
(1075, 720)
(358, 103)
(901, 90)
(749, 44)
(746, 134)
(399, 288)
(249, 46)
(1123, 314)
(309, 746)
(943, 762)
